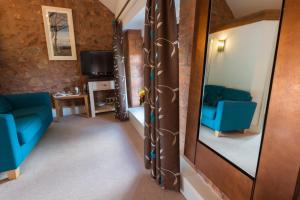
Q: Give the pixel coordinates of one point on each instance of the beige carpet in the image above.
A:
(86, 159)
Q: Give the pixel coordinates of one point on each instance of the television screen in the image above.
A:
(97, 63)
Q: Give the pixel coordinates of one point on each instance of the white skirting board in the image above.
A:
(193, 186)
(137, 124)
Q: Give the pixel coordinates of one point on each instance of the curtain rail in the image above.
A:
(122, 10)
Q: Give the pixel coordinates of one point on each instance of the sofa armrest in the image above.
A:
(234, 115)
(29, 99)
(10, 150)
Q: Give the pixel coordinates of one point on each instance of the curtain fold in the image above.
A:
(121, 106)
(161, 143)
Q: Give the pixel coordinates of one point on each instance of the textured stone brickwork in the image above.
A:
(133, 46)
(24, 63)
(221, 14)
(186, 34)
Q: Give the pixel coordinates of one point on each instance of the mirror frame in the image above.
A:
(199, 55)
(268, 98)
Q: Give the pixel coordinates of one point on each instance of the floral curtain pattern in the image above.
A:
(161, 93)
(121, 105)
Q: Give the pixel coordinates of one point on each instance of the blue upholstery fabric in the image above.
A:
(212, 99)
(5, 106)
(208, 112)
(21, 130)
(38, 110)
(234, 109)
(10, 150)
(236, 95)
(212, 94)
(27, 127)
(214, 89)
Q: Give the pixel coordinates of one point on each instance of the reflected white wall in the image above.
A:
(247, 61)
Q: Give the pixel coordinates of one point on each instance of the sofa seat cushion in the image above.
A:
(5, 106)
(209, 112)
(27, 127)
(38, 110)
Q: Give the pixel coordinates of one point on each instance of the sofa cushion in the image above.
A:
(209, 112)
(38, 110)
(212, 99)
(5, 106)
(27, 127)
(236, 95)
(213, 94)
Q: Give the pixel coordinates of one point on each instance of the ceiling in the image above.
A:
(137, 22)
(116, 5)
(242, 8)
(110, 4)
(239, 8)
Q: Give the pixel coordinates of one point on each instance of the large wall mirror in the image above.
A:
(240, 54)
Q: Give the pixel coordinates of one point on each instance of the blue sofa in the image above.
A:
(226, 109)
(24, 118)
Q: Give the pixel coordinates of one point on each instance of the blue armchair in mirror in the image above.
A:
(226, 109)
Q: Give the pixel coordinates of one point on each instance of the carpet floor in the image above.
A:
(86, 159)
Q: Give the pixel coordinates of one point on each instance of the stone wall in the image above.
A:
(186, 35)
(221, 14)
(24, 63)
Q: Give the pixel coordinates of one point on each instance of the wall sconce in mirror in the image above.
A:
(221, 45)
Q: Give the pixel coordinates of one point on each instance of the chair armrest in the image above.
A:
(234, 115)
(29, 99)
(10, 150)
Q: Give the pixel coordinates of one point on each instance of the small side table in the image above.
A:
(58, 106)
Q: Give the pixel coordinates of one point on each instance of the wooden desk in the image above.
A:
(58, 106)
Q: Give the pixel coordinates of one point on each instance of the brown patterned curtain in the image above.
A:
(119, 74)
(162, 98)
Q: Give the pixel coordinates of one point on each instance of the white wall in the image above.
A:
(247, 61)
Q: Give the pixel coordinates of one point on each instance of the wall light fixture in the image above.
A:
(221, 45)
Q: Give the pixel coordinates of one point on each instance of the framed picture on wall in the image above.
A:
(59, 31)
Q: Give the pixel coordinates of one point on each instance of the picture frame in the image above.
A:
(59, 32)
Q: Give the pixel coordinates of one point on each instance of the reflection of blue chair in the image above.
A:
(226, 109)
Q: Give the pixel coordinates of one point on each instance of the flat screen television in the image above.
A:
(97, 64)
